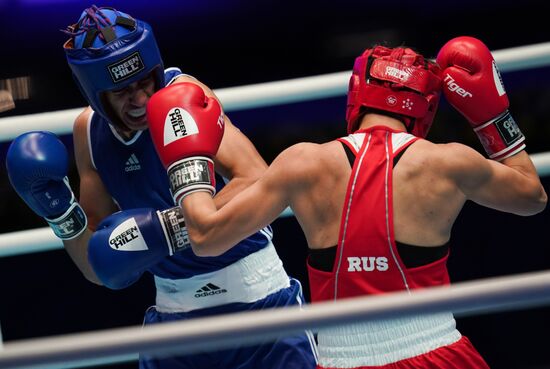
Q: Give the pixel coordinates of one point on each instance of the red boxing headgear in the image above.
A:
(398, 81)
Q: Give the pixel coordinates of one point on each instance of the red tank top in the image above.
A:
(367, 261)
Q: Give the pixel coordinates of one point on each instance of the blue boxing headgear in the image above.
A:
(109, 50)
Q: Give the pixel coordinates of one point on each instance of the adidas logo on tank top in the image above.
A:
(132, 164)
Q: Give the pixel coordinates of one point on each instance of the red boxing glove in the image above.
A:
(187, 128)
(473, 86)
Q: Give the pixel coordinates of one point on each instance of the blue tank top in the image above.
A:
(135, 177)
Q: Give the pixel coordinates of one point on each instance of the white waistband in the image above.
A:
(250, 279)
(384, 342)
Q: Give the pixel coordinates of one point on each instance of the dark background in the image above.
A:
(232, 43)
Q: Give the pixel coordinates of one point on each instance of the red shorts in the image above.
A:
(459, 355)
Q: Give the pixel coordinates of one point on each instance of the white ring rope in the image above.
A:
(28, 242)
(219, 332)
(270, 93)
(42, 239)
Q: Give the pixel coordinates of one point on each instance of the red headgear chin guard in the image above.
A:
(398, 81)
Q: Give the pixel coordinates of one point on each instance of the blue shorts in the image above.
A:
(289, 352)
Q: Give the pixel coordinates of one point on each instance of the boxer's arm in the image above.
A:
(213, 231)
(94, 198)
(512, 185)
(237, 159)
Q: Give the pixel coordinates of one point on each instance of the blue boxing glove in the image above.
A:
(128, 242)
(37, 165)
